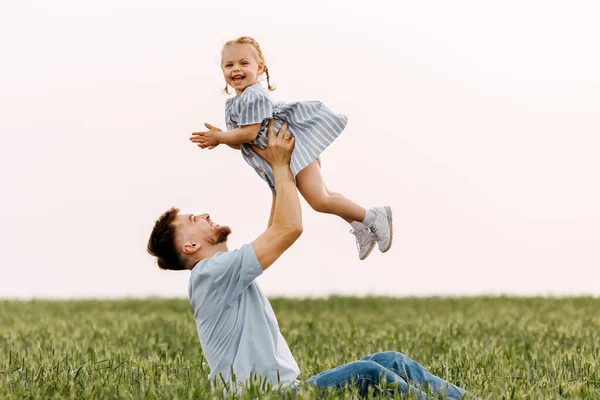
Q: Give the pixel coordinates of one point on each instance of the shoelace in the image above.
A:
(376, 232)
(358, 236)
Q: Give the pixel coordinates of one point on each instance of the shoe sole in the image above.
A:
(368, 251)
(388, 209)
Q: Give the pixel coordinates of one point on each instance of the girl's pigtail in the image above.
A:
(271, 88)
(226, 90)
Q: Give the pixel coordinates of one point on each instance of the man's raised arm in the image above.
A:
(286, 226)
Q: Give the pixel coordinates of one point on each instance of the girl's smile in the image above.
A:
(237, 78)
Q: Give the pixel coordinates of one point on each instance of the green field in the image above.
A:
(538, 348)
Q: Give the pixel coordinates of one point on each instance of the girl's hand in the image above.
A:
(208, 139)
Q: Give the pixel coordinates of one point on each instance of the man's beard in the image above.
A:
(220, 235)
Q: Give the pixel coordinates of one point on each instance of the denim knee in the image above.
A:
(402, 359)
(371, 371)
(384, 354)
(396, 355)
(388, 357)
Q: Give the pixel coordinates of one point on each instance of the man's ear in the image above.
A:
(190, 247)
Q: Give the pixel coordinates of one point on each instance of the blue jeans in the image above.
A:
(388, 367)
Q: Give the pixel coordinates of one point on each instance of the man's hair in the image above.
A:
(162, 242)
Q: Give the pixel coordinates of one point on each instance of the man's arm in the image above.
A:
(286, 225)
(272, 212)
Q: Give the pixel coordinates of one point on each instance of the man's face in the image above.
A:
(199, 229)
(240, 67)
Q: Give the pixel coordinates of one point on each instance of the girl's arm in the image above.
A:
(240, 135)
(214, 136)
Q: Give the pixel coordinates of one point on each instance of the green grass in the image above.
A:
(538, 348)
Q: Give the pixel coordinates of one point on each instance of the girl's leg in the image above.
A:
(312, 187)
(332, 193)
(337, 194)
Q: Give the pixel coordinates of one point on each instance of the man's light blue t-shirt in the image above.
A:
(235, 321)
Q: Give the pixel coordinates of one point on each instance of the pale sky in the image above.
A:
(477, 122)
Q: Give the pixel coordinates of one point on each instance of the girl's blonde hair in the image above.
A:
(257, 51)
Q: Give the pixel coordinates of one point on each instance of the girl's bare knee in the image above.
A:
(320, 204)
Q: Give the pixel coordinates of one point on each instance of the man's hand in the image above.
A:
(208, 139)
(279, 149)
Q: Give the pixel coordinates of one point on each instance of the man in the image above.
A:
(236, 325)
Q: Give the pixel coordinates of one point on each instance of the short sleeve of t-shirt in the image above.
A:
(229, 104)
(227, 274)
(255, 106)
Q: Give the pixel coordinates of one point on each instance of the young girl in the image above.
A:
(312, 124)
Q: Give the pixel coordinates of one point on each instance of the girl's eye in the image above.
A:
(245, 63)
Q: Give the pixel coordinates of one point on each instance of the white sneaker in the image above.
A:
(364, 241)
(382, 227)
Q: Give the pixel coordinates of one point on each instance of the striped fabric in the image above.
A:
(313, 125)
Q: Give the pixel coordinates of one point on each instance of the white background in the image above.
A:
(478, 122)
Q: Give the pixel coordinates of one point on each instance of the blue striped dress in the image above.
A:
(313, 125)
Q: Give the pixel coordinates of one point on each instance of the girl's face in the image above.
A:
(240, 67)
